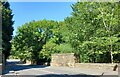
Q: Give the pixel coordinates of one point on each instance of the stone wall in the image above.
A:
(65, 59)
(71, 60)
(101, 66)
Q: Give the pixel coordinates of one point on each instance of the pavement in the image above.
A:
(14, 69)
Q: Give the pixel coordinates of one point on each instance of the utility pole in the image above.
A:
(1, 64)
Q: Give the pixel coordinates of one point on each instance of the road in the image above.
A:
(23, 70)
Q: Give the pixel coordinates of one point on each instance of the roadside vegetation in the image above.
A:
(6, 28)
(92, 32)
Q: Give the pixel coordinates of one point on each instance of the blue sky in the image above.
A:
(27, 11)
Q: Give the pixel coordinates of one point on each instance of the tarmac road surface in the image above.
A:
(14, 69)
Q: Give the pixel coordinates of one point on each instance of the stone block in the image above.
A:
(65, 59)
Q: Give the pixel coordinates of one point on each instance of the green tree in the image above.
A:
(93, 27)
(58, 43)
(7, 28)
(92, 32)
(30, 39)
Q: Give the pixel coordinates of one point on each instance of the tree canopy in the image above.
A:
(7, 28)
(92, 32)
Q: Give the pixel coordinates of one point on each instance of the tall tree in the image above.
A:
(7, 28)
(92, 32)
(30, 39)
(93, 27)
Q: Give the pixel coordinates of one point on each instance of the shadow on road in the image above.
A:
(62, 75)
(78, 75)
(17, 66)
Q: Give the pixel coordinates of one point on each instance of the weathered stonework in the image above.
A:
(100, 66)
(64, 59)
(71, 60)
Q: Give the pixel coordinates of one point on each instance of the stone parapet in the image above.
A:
(101, 66)
(71, 60)
(64, 59)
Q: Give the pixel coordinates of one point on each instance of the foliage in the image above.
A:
(7, 28)
(31, 38)
(93, 26)
(92, 32)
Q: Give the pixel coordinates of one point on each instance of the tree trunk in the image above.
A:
(33, 62)
(111, 55)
